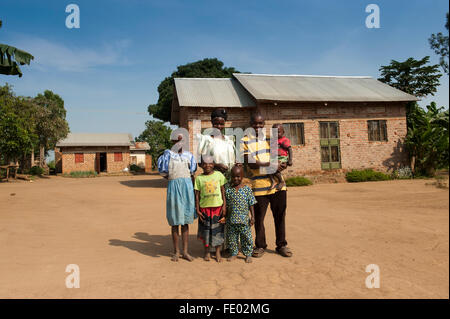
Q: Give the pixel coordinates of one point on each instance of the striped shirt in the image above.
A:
(260, 151)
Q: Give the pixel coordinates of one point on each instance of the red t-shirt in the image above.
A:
(283, 144)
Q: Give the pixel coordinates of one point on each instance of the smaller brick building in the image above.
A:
(99, 152)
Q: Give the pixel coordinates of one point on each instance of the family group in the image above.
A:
(226, 208)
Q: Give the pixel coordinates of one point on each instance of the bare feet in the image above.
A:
(248, 259)
(175, 257)
(187, 257)
(207, 257)
(231, 258)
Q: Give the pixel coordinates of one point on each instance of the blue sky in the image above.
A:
(108, 71)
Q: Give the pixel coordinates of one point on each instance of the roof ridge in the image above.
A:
(308, 75)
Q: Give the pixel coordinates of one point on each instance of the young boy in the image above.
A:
(284, 156)
(240, 201)
(211, 207)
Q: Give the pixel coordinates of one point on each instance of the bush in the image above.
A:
(36, 170)
(51, 165)
(403, 173)
(367, 175)
(81, 174)
(135, 168)
(298, 181)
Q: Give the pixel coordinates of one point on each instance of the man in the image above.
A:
(256, 151)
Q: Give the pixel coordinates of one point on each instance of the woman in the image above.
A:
(221, 148)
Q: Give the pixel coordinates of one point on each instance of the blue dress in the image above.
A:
(180, 203)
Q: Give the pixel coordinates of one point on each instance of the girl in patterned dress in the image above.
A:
(240, 201)
(179, 168)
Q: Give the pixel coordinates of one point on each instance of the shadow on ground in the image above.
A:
(157, 245)
(151, 183)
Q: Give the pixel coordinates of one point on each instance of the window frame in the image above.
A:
(381, 134)
(116, 155)
(77, 158)
(301, 138)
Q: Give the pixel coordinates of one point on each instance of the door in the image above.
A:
(97, 162)
(329, 145)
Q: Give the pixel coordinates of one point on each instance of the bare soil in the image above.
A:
(115, 230)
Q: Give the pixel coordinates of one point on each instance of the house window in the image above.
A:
(377, 130)
(117, 157)
(79, 158)
(295, 132)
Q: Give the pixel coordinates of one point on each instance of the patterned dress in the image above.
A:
(238, 222)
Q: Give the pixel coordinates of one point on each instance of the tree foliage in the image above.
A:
(157, 135)
(439, 43)
(206, 68)
(11, 57)
(30, 123)
(412, 76)
(428, 139)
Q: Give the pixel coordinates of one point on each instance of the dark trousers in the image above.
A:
(277, 203)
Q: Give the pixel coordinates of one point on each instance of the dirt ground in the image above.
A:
(115, 230)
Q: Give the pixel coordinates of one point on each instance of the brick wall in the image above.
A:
(357, 152)
(68, 164)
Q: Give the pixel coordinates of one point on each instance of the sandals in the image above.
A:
(284, 251)
(258, 252)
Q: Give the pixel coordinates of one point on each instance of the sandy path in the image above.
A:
(115, 229)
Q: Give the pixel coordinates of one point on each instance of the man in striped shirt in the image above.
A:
(256, 151)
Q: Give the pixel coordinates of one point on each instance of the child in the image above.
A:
(284, 156)
(179, 168)
(211, 207)
(240, 201)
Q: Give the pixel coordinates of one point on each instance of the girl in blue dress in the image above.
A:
(179, 169)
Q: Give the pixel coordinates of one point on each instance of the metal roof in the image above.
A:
(310, 88)
(212, 92)
(96, 139)
(140, 146)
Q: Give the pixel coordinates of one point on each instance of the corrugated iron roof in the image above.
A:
(310, 88)
(212, 92)
(96, 139)
(142, 146)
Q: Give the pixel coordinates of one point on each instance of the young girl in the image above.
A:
(240, 201)
(284, 156)
(179, 169)
(211, 207)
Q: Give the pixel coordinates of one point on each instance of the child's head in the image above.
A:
(207, 164)
(176, 138)
(218, 118)
(257, 121)
(280, 129)
(237, 174)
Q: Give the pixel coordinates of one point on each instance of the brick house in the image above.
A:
(335, 123)
(108, 153)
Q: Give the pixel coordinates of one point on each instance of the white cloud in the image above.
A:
(52, 55)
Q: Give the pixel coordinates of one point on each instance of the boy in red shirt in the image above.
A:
(284, 156)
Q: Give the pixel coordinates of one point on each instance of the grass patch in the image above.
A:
(83, 174)
(298, 181)
(367, 175)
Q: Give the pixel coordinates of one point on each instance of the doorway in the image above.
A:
(100, 162)
(329, 145)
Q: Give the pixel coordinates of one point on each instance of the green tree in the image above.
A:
(157, 135)
(428, 139)
(206, 68)
(439, 43)
(51, 124)
(11, 57)
(16, 126)
(412, 76)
